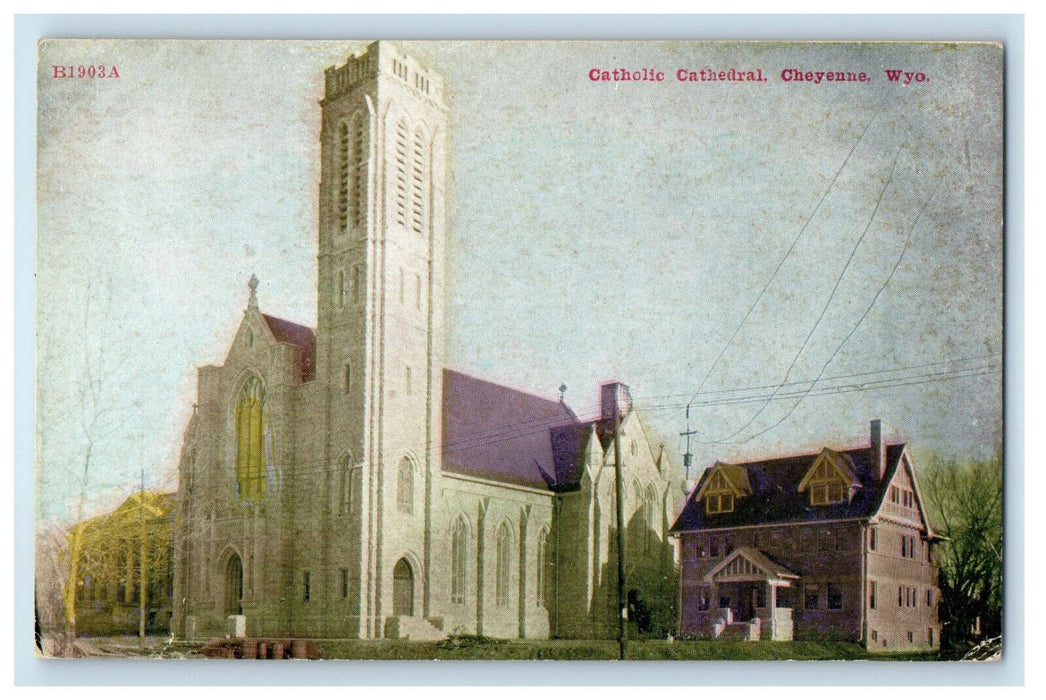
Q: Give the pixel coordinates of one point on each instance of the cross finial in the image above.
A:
(252, 302)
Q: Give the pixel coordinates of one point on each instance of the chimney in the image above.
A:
(878, 444)
(614, 396)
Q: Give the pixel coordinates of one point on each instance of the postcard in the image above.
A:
(519, 349)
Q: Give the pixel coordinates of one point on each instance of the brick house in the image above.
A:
(829, 545)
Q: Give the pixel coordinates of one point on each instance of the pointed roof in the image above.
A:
(301, 337)
(498, 433)
(776, 498)
(753, 565)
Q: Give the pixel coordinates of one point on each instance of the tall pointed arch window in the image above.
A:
(349, 477)
(459, 535)
(358, 175)
(343, 160)
(418, 167)
(401, 154)
(405, 487)
(652, 519)
(503, 565)
(250, 442)
(352, 173)
(542, 566)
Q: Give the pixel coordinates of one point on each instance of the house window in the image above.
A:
(900, 596)
(703, 601)
(825, 541)
(929, 636)
(910, 637)
(344, 583)
(827, 486)
(871, 594)
(718, 494)
(702, 550)
(719, 503)
(811, 594)
(458, 558)
(929, 597)
(875, 635)
(835, 596)
(713, 547)
(405, 487)
(307, 587)
(873, 538)
(503, 563)
(346, 384)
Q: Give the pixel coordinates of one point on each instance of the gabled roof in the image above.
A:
(760, 566)
(839, 463)
(775, 496)
(502, 434)
(736, 476)
(301, 337)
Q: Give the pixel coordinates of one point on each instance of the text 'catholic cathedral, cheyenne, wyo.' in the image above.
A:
(341, 482)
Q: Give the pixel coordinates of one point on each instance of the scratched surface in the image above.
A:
(790, 256)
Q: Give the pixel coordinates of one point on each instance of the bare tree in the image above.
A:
(92, 415)
(965, 504)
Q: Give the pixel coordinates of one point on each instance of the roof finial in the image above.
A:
(252, 302)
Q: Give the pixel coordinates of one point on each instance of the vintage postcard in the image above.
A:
(519, 350)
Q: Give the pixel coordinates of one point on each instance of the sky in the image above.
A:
(716, 244)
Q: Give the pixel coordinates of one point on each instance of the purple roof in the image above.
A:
(301, 337)
(775, 497)
(498, 433)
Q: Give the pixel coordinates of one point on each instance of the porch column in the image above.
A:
(772, 597)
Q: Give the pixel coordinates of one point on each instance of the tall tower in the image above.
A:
(380, 319)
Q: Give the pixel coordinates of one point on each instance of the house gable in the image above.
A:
(901, 501)
(830, 479)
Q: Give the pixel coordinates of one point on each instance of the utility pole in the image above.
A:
(687, 457)
(141, 558)
(622, 602)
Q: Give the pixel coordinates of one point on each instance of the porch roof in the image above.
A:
(748, 564)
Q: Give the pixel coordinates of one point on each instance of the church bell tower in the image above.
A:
(380, 317)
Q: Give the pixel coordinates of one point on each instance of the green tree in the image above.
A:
(964, 500)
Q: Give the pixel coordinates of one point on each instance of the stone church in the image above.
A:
(342, 482)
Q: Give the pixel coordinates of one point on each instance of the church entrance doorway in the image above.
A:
(402, 589)
(234, 586)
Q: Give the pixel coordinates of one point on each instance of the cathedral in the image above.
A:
(341, 482)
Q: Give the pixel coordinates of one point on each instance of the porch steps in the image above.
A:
(414, 628)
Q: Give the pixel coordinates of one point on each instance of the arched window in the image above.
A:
(402, 156)
(343, 176)
(542, 565)
(405, 487)
(653, 518)
(503, 565)
(250, 442)
(352, 173)
(418, 165)
(458, 560)
(358, 177)
(348, 485)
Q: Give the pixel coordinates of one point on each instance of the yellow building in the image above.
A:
(108, 584)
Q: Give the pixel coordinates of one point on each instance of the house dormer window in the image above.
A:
(724, 485)
(719, 503)
(830, 480)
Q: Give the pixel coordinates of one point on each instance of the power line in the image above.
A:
(835, 289)
(781, 262)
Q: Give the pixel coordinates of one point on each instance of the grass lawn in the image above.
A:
(472, 648)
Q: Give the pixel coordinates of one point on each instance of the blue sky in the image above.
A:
(596, 231)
